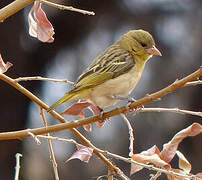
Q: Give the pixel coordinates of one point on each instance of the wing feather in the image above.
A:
(112, 63)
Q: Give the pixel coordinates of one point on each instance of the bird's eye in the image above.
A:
(143, 44)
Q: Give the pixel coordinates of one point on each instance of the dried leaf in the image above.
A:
(39, 25)
(97, 111)
(87, 127)
(4, 67)
(173, 177)
(146, 157)
(83, 153)
(153, 150)
(169, 149)
(76, 108)
(199, 176)
(183, 163)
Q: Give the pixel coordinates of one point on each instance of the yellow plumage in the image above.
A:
(115, 72)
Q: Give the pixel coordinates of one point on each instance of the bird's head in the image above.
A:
(139, 43)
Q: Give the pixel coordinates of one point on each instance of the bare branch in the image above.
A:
(39, 78)
(38, 142)
(50, 146)
(13, 8)
(194, 83)
(175, 110)
(131, 137)
(17, 167)
(69, 8)
(57, 139)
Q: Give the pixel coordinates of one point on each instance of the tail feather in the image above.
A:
(64, 99)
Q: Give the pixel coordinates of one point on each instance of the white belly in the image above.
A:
(121, 86)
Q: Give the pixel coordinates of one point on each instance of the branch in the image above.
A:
(194, 83)
(131, 137)
(12, 135)
(76, 123)
(50, 146)
(13, 8)
(70, 8)
(17, 167)
(175, 110)
(39, 78)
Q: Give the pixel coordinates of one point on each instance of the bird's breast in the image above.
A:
(121, 85)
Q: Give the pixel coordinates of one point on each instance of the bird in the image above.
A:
(114, 73)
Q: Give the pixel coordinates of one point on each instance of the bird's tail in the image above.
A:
(64, 99)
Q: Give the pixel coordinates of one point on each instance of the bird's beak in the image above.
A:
(154, 51)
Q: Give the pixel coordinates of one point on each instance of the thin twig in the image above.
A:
(50, 146)
(131, 136)
(69, 8)
(38, 142)
(17, 167)
(57, 139)
(39, 78)
(175, 110)
(194, 83)
(110, 175)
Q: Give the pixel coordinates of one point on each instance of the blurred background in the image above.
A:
(177, 28)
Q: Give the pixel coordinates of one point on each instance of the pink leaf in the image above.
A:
(83, 153)
(199, 175)
(169, 149)
(97, 111)
(146, 157)
(39, 25)
(87, 127)
(4, 67)
(76, 109)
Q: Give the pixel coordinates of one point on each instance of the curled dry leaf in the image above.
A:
(77, 110)
(169, 149)
(183, 163)
(162, 159)
(83, 153)
(4, 67)
(97, 111)
(146, 157)
(39, 25)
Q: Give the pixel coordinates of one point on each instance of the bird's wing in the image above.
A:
(110, 64)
